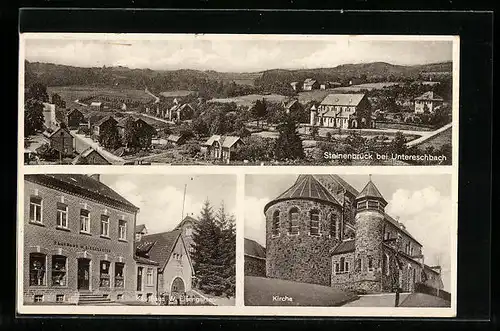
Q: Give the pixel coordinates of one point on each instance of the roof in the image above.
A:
(254, 249)
(370, 191)
(83, 182)
(57, 130)
(431, 96)
(186, 219)
(123, 121)
(309, 81)
(96, 104)
(305, 187)
(140, 228)
(174, 137)
(346, 246)
(104, 119)
(144, 260)
(85, 154)
(225, 141)
(348, 99)
(158, 247)
(48, 106)
(74, 110)
(95, 116)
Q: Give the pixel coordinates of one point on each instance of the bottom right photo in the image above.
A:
(349, 240)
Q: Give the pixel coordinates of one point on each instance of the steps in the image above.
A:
(88, 298)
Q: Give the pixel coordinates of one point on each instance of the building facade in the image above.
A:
(78, 240)
(255, 259)
(428, 102)
(346, 111)
(323, 231)
(219, 147)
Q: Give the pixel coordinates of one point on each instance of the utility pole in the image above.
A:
(183, 201)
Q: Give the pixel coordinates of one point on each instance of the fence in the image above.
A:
(425, 289)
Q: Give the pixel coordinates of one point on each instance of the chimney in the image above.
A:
(96, 177)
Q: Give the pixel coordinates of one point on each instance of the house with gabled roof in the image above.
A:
(428, 102)
(74, 118)
(310, 84)
(187, 226)
(90, 156)
(175, 268)
(255, 258)
(346, 111)
(220, 147)
(61, 140)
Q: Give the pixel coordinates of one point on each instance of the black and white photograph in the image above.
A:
(349, 240)
(194, 99)
(128, 240)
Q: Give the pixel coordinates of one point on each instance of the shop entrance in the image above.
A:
(83, 274)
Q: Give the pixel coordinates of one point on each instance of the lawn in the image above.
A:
(260, 291)
(424, 300)
(319, 95)
(437, 141)
(72, 93)
(249, 100)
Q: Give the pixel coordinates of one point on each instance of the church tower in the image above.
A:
(369, 223)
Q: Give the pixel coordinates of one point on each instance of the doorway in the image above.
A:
(139, 278)
(83, 274)
(178, 286)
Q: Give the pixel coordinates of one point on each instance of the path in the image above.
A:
(151, 94)
(80, 103)
(377, 300)
(95, 145)
(428, 136)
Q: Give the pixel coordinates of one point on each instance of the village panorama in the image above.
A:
(374, 113)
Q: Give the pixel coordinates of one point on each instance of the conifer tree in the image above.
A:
(289, 144)
(228, 249)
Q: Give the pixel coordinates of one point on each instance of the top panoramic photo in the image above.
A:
(177, 99)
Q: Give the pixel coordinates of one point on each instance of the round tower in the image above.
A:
(313, 115)
(369, 220)
(302, 225)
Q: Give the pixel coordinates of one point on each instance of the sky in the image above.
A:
(159, 197)
(205, 52)
(423, 203)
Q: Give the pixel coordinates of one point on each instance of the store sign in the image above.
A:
(85, 247)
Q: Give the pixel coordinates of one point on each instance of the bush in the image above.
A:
(191, 148)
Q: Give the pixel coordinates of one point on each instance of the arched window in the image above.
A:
(276, 223)
(334, 226)
(294, 221)
(314, 223)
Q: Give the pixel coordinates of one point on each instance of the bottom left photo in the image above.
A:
(111, 239)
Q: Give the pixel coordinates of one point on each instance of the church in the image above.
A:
(323, 231)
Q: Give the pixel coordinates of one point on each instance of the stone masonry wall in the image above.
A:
(254, 266)
(302, 257)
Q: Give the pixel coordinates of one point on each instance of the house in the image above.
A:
(103, 124)
(49, 115)
(145, 132)
(187, 226)
(294, 85)
(310, 84)
(74, 118)
(428, 102)
(324, 85)
(220, 147)
(140, 230)
(179, 112)
(85, 254)
(175, 269)
(61, 140)
(344, 111)
(255, 258)
(97, 106)
(291, 106)
(90, 156)
(176, 139)
(334, 235)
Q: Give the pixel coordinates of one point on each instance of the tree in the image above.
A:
(38, 92)
(398, 145)
(259, 110)
(314, 131)
(33, 116)
(130, 137)
(109, 137)
(289, 144)
(255, 149)
(227, 245)
(58, 101)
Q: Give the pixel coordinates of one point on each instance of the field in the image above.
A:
(249, 100)
(72, 93)
(177, 93)
(437, 141)
(319, 95)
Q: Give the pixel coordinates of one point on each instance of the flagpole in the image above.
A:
(183, 201)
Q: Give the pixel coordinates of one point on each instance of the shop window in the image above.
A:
(59, 270)
(149, 277)
(38, 269)
(294, 221)
(276, 223)
(314, 223)
(62, 215)
(105, 225)
(119, 279)
(122, 230)
(35, 209)
(84, 221)
(38, 298)
(59, 297)
(104, 274)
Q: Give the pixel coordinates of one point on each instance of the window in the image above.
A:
(105, 225)
(370, 263)
(149, 297)
(337, 268)
(358, 266)
(84, 221)
(38, 298)
(276, 223)
(362, 205)
(36, 209)
(59, 297)
(189, 231)
(38, 269)
(122, 230)
(294, 221)
(59, 270)
(372, 204)
(346, 266)
(119, 279)
(149, 277)
(334, 226)
(62, 215)
(104, 274)
(342, 264)
(314, 223)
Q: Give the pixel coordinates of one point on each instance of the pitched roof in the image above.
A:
(370, 191)
(104, 119)
(85, 154)
(158, 247)
(254, 249)
(305, 187)
(225, 141)
(348, 99)
(57, 130)
(431, 96)
(174, 137)
(186, 219)
(346, 246)
(139, 228)
(86, 183)
(74, 110)
(144, 260)
(309, 81)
